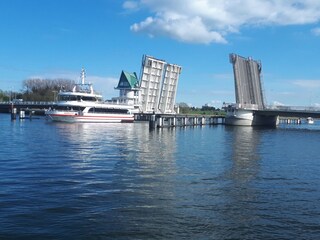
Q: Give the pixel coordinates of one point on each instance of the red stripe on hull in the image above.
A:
(81, 118)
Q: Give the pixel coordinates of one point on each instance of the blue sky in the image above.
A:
(56, 38)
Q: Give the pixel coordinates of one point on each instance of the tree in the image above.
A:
(4, 96)
(207, 108)
(183, 108)
(204, 110)
(37, 89)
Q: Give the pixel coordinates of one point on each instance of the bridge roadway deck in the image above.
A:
(300, 113)
(5, 107)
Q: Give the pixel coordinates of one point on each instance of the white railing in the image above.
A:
(294, 108)
(240, 106)
(28, 103)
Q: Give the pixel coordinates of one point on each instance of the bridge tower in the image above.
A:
(158, 85)
(247, 79)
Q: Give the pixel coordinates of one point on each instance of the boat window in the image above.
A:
(85, 98)
(73, 98)
(108, 110)
(66, 108)
(63, 98)
(67, 98)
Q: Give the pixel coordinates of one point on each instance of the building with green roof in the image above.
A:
(128, 86)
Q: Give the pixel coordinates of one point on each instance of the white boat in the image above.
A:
(310, 120)
(83, 104)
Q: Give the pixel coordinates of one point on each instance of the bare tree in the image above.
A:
(37, 89)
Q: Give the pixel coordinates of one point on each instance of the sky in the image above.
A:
(56, 38)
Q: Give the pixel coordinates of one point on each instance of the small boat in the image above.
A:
(310, 120)
(83, 104)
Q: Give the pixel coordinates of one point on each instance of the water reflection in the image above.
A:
(121, 181)
(135, 158)
(128, 142)
(245, 156)
(241, 194)
(109, 175)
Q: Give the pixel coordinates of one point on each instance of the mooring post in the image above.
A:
(13, 113)
(31, 114)
(160, 121)
(152, 121)
(22, 114)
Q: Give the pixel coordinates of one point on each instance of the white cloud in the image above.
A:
(182, 29)
(276, 103)
(130, 5)
(316, 31)
(207, 21)
(317, 105)
(309, 84)
(216, 103)
(105, 86)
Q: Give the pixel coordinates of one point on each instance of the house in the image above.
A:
(128, 86)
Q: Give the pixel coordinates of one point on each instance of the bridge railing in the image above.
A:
(240, 106)
(294, 108)
(27, 103)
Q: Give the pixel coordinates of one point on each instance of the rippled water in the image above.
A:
(122, 181)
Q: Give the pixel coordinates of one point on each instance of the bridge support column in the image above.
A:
(174, 120)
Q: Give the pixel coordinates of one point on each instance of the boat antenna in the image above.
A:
(83, 75)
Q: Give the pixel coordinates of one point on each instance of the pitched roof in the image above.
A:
(128, 80)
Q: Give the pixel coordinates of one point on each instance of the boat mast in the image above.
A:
(82, 75)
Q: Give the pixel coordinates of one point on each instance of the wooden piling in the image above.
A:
(13, 113)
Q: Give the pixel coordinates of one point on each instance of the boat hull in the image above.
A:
(74, 117)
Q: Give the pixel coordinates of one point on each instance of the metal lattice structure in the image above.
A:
(247, 78)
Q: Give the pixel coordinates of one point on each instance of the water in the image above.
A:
(122, 181)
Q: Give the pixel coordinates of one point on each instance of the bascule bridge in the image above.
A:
(250, 107)
(248, 82)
